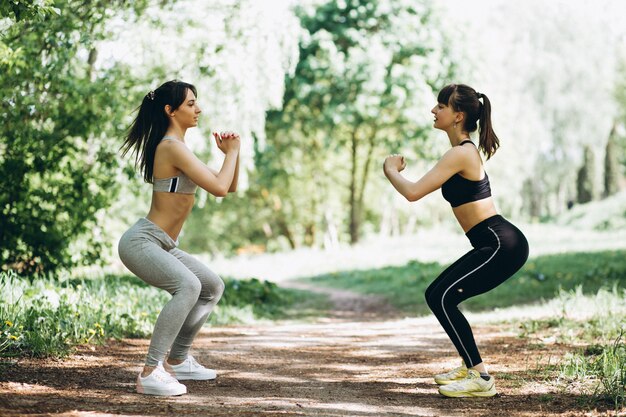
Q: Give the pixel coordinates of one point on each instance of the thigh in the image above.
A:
(211, 282)
(157, 267)
(466, 277)
(449, 272)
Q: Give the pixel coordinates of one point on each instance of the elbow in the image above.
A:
(220, 192)
(412, 197)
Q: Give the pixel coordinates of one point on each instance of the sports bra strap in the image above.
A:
(169, 138)
(467, 141)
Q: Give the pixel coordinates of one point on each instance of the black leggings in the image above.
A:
(500, 250)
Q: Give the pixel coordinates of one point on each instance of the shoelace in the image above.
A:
(163, 376)
(194, 364)
(454, 371)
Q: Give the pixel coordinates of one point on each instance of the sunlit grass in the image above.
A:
(47, 317)
(542, 278)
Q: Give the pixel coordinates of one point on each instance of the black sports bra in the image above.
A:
(458, 190)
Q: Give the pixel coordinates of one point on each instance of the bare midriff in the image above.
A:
(170, 210)
(472, 213)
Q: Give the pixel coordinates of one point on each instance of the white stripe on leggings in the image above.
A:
(463, 277)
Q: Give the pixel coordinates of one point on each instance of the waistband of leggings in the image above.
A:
(483, 225)
(156, 231)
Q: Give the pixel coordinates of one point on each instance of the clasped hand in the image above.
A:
(227, 141)
(394, 163)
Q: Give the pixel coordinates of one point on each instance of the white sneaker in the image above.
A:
(190, 369)
(471, 386)
(160, 382)
(452, 376)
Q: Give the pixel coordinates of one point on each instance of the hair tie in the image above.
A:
(479, 95)
(150, 95)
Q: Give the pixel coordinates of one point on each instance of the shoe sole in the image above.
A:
(193, 378)
(465, 394)
(149, 391)
(153, 391)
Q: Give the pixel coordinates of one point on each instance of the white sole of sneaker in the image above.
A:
(465, 394)
(148, 391)
(155, 391)
(194, 378)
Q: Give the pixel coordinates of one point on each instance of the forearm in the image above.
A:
(233, 184)
(226, 175)
(401, 184)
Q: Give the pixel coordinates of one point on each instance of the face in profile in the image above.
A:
(444, 116)
(186, 115)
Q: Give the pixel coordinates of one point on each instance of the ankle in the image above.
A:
(172, 361)
(147, 370)
(480, 368)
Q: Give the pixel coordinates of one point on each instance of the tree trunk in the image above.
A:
(355, 215)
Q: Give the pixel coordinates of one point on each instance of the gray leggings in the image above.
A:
(152, 255)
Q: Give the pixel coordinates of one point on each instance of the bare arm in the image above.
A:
(219, 140)
(216, 183)
(449, 164)
(233, 185)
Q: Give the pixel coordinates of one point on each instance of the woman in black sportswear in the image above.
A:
(499, 248)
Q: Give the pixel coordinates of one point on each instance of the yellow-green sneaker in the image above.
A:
(473, 385)
(451, 376)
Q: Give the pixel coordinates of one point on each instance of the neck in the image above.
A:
(177, 132)
(457, 137)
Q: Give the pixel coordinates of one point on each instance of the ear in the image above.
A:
(460, 116)
(168, 110)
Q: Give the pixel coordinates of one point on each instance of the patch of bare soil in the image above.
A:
(362, 360)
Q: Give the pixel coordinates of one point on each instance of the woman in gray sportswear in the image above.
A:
(149, 248)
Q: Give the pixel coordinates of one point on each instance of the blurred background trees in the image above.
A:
(321, 91)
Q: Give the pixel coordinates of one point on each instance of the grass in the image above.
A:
(540, 279)
(48, 317)
(594, 325)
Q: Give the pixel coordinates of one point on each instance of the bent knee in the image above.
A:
(213, 289)
(190, 288)
(218, 288)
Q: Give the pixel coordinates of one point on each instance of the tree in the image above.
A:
(57, 159)
(18, 10)
(612, 168)
(585, 179)
(361, 89)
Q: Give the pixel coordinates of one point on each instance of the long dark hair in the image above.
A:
(151, 123)
(463, 98)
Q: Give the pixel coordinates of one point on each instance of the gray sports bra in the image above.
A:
(181, 183)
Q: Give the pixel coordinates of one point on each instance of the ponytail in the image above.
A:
(488, 141)
(463, 98)
(151, 123)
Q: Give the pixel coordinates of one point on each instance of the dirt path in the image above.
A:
(360, 361)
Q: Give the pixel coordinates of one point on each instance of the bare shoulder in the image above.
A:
(173, 149)
(459, 154)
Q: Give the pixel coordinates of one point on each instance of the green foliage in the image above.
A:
(18, 10)
(47, 317)
(59, 115)
(601, 369)
(595, 322)
(540, 279)
(365, 75)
